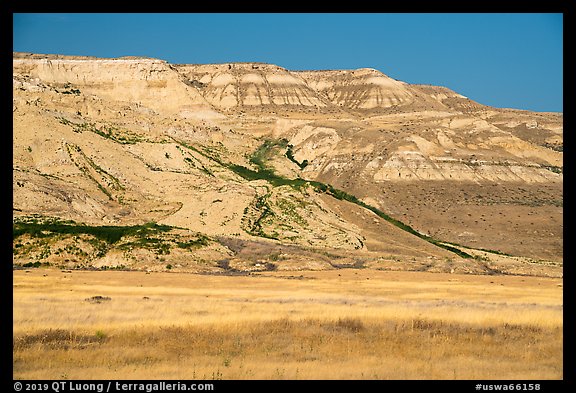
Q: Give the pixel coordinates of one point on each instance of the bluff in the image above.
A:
(258, 167)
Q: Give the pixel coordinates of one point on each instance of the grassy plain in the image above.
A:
(337, 324)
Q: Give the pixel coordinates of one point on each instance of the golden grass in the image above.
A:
(307, 325)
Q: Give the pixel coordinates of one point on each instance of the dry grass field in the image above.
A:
(337, 324)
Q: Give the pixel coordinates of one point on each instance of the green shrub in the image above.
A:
(32, 264)
(290, 156)
(109, 233)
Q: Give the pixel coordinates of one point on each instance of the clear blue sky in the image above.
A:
(502, 60)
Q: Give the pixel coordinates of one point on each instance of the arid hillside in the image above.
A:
(229, 168)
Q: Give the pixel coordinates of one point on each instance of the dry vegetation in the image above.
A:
(338, 324)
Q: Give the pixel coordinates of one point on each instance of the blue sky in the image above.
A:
(502, 60)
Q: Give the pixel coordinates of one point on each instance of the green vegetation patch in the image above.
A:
(552, 168)
(200, 241)
(106, 131)
(264, 212)
(39, 238)
(268, 175)
(290, 210)
(108, 233)
(290, 156)
(265, 150)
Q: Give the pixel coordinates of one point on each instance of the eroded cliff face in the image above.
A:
(252, 85)
(472, 150)
(222, 150)
(364, 88)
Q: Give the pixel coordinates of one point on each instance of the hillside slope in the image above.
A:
(243, 156)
